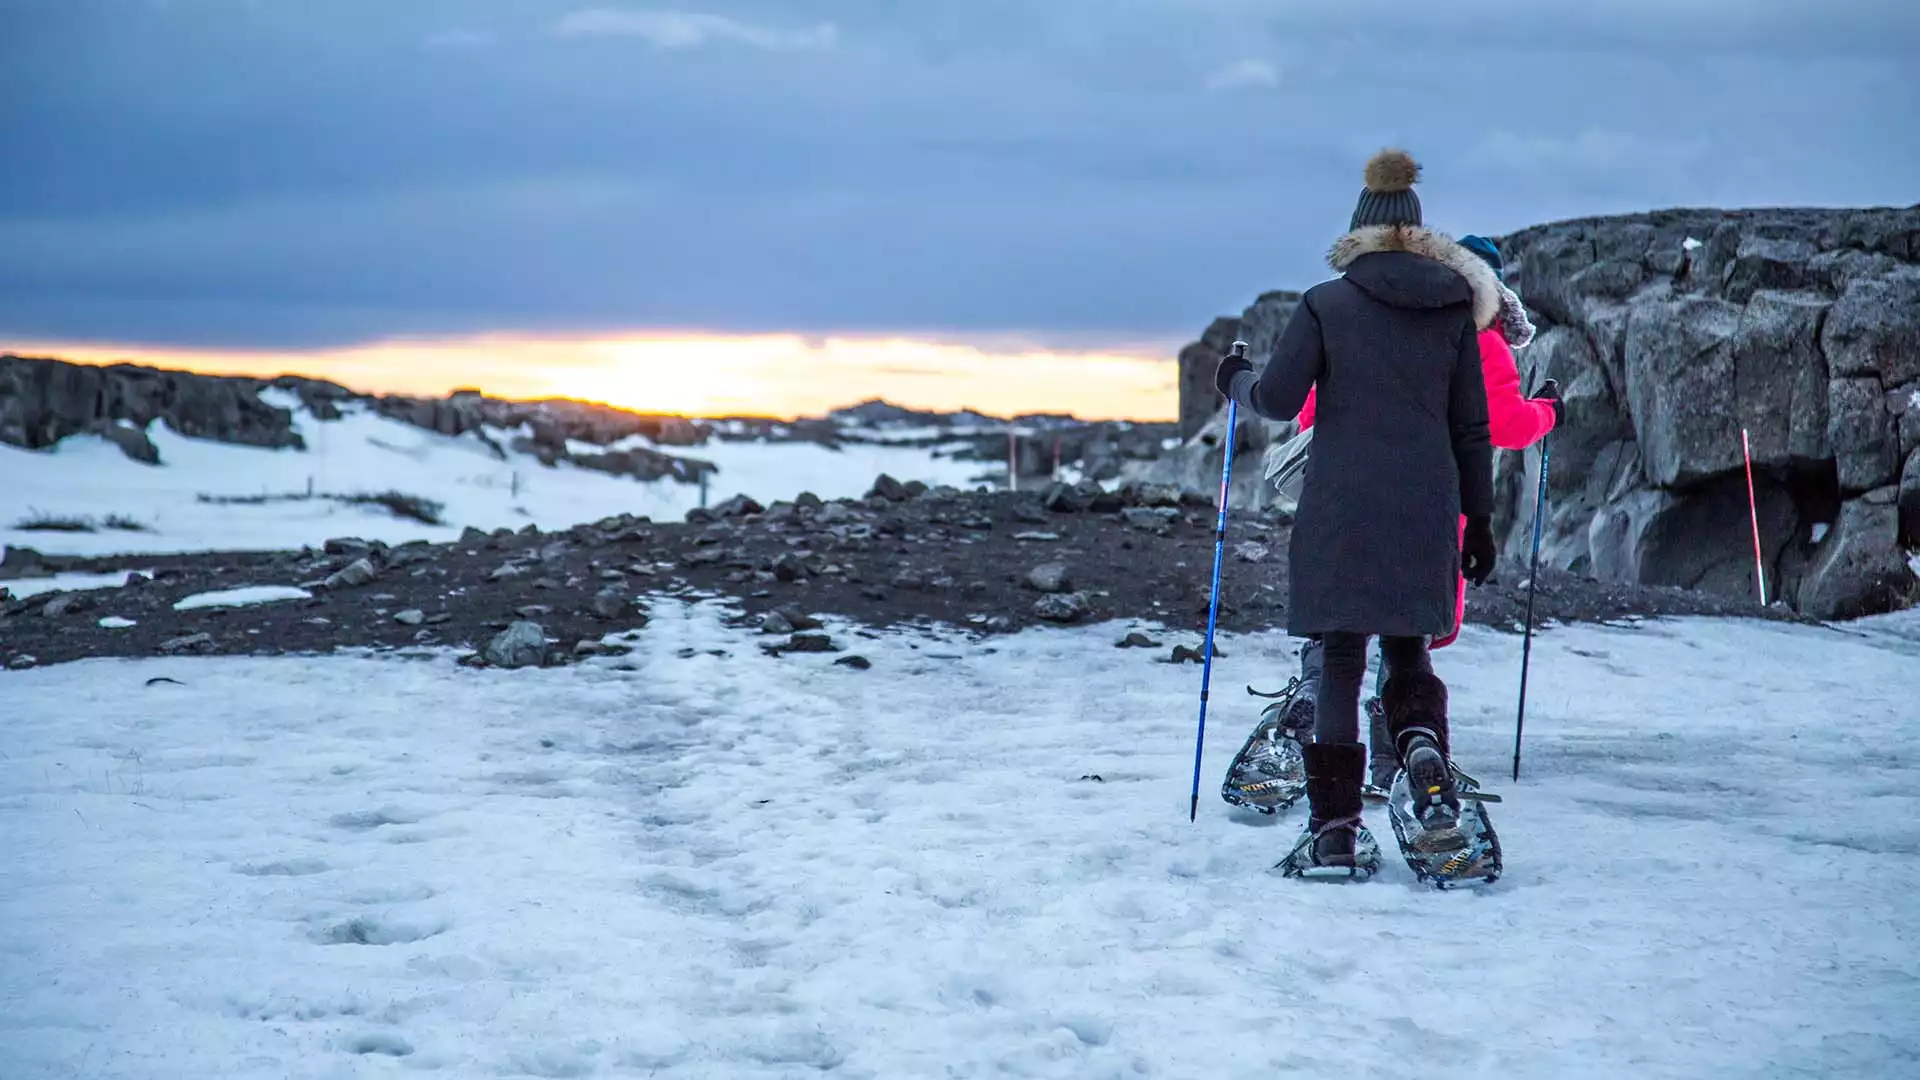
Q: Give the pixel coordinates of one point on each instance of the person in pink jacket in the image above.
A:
(1514, 422)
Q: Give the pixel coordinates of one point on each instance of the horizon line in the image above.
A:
(776, 377)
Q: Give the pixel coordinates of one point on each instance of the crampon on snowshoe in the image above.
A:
(1269, 775)
(1357, 860)
(1446, 841)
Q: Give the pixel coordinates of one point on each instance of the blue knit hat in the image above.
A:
(1487, 250)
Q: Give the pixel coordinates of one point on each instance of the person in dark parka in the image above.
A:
(1401, 452)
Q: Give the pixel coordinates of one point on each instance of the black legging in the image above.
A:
(1344, 668)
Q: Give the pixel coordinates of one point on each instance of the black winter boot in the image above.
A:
(1416, 708)
(1336, 842)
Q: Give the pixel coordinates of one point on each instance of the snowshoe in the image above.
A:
(1446, 849)
(1436, 809)
(1335, 844)
(1355, 856)
(1269, 774)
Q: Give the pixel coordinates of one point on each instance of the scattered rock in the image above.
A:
(1249, 551)
(346, 545)
(1150, 517)
(1040, 537)
(796, 618)
(1050, 578)
(533, 611)
(1062, 607)
(886, 487)
(1136, 640)
(410, 617)
(789, 568)
(1068, 498)
(505, 571)
(910, 580)
(67, 603)
(522, 644)
(354, 574)
(775, 623)
(807, 500)
(1183, 654)
(810, 642)
(610, 602)
(472, 537)
(737, 507)
(1002, 624)
(414, 551)
(1151, 495)
(874, 593)
(856, 662)
(188, 643)
(21, 661)
(439, 617)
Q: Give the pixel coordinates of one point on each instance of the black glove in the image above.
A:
(1550, 391)
(1476, 550)
(1230, 366)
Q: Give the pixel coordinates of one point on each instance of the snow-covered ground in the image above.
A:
(728, 865)
(85, 476)
(67, 582)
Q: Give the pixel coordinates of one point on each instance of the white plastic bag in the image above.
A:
(1286, 469)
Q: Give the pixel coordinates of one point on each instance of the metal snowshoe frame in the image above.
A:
(1287, 791)
(1299, 863)
(1474, 860)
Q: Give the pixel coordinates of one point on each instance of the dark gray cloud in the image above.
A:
(281, 173)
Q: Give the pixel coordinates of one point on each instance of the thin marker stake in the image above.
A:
(1753, 512)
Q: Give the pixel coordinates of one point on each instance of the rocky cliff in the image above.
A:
(43, 401)
(1671, 334)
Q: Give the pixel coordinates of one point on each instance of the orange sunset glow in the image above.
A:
(781, 375)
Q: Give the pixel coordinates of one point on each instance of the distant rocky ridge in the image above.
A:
(44, 400)
(1670, 333)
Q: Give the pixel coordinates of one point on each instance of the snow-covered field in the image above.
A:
(726, 865)
(88, 477)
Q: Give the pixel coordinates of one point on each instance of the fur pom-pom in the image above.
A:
(1391, 170)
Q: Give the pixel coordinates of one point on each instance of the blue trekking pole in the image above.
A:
(1533, 577)
(1213, 602)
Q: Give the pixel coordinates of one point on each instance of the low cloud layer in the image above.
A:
(278, 175)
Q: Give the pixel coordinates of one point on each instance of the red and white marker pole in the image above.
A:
(1753, 512)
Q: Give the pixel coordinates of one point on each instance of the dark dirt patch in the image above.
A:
(953, 559)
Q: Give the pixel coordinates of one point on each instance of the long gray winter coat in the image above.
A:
(1400, 447)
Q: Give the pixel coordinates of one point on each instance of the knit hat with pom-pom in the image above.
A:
(1388, 198)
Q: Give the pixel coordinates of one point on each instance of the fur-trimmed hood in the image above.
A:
(1416, 240)
(1514, 324)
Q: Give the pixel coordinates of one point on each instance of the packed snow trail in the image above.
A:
(726, 865)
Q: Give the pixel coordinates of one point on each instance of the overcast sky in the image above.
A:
(304, 173)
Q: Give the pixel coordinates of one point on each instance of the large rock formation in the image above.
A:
(1672, 334)
(43, 401)
(1259, 326)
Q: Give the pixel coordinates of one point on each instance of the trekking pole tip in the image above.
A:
(1240, 349)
